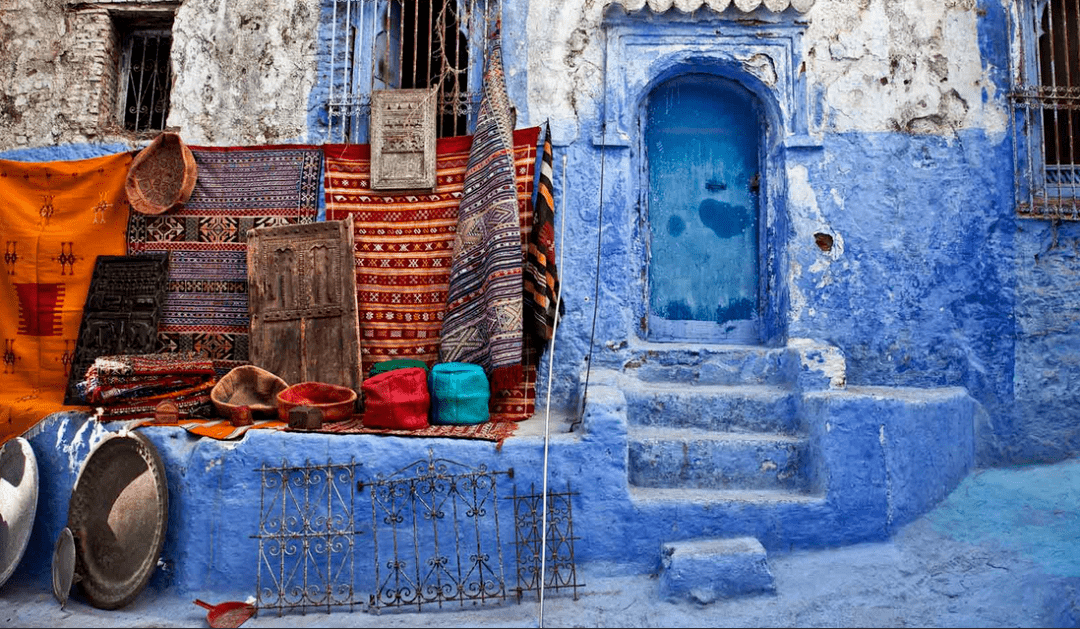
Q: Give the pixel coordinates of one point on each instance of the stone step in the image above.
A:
(714, 499)
(721, 408)
(689, 363)
(706, 570)
(693, 458)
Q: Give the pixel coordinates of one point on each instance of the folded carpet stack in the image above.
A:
(131, 387)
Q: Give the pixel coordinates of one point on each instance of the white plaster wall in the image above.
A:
(243, 72)
(244, 69)
(878, 65)
(49, 92)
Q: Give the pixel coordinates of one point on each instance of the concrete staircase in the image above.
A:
(723, 422)
(725, 444)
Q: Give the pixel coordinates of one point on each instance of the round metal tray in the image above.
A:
(18, 502)
(118, 514)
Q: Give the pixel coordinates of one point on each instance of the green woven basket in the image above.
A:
(397, 363)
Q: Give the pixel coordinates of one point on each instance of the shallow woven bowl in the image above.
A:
(248, 386)
(337, 403)
(162, 176)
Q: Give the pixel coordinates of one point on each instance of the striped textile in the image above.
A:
(403, 248)
(193, 401)
(131, 386)
(222, 430)
(483, 323)
(238, 188)
(488, 431)
(541, 273)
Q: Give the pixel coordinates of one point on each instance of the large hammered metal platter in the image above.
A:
(118, 514)
(18, 502)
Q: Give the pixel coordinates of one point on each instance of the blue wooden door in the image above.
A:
(702, 140)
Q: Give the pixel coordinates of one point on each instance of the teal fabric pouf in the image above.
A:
(459, 394)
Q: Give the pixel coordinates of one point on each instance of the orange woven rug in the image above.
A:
(404, 245)
(56, 218)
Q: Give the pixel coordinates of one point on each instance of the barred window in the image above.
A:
(145, 78)
(1046, 109)
(407, 44)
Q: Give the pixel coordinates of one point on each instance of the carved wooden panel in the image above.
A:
(302, 300)
(403, 139)
(123, 306)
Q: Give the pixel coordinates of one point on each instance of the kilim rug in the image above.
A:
(131, 386)
(483, 322)
(541, 272)
(223, 430)
(404, 246)
(488, 431)
(55, 219)
(238, 188)
(220, 429)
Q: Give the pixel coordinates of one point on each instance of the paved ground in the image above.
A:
(1001, 550)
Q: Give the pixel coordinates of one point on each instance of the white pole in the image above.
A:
(547, 412)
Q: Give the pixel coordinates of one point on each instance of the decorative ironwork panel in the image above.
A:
(306, 537)
(403, 45)
(403, 139)
(560, 571)
(147, 80)
(123, 306)
(435, 533)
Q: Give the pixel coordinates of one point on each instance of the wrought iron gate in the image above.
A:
(306, 537)
(435, 532)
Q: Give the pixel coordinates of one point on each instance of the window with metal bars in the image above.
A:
(407, 44)
(144, 74)
(1046, 109)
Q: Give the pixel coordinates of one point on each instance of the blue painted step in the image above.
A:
(705, 570)
(721, 408)
(695, 364)
(692, 458)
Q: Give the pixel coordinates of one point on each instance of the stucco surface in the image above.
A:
(999, 551)
(244, 69)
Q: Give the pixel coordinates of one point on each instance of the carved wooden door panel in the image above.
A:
(123, 306)
(303, 303)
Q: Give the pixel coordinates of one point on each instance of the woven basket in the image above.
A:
(250, 386)
(162, 176)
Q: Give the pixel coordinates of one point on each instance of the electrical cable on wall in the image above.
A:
(580, 416)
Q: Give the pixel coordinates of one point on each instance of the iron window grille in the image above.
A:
(407, 44)
(1045, 109)
(145, 79)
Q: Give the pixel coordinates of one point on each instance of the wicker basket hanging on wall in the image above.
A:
(161, 176)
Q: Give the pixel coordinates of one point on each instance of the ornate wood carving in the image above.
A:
(123, 306)
(302, 300)
(403, 139)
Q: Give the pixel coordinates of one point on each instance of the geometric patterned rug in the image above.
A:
(237, 189)
(221, 429)
(404, 245)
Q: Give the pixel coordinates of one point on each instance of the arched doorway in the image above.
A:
(702, 138)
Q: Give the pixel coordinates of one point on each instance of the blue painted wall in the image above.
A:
(938, 285)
